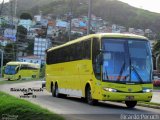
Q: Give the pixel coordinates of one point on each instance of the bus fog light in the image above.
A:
(147, 90)
(110, 89)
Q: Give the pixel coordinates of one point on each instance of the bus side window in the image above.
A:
(95, 54)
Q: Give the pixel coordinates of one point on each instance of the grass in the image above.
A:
(150, 103)
(156, 88)
(25, 110)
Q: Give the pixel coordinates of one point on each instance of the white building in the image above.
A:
(152, 43)
(10, 34)
(40, 46)
(4, 42)
(31, 59)
(131, 30)
(26, 23)
(37, 18)
(115, 29)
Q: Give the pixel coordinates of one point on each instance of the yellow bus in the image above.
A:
(21, 70)
(105, 67)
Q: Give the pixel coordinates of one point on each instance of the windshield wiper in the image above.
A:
(138, 76)
(106, 74)
(121, 71)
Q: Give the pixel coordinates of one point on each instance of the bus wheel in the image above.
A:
(19, 78)
(56, 91)
(89, 98)
(131, 104)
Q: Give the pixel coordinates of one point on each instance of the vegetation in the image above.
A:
(111, 10)
(29, 50)
(10, 52)
(156, 56)
(150, 103)
(42, 71)
(24, 109)
(156, 88)
(21, 33)
(26, 16)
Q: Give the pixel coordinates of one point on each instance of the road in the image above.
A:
(76, 109)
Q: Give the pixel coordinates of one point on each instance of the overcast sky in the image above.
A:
(151, 5)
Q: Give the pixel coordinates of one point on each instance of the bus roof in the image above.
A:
(21, 63)
(100, 35)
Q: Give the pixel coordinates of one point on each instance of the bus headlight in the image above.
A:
(110, 89)
(147, 90)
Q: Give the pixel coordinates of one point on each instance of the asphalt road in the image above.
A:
(76, 109)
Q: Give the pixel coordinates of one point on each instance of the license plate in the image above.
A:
(129, 97)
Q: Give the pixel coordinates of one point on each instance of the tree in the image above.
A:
(10, 52)
(21, 33)
(156, 54)
(26, 16)
(30, 47)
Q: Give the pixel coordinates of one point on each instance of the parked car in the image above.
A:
(156, 81)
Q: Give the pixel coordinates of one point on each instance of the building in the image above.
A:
(115, 29)
(152, 43)
(37, 18)
(40, 46)
(26, 23)
(31, 59)
(4, 41)
(10, 34)
(62, 24)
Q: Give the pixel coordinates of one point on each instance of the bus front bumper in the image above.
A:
(10, 77)
(118, 96)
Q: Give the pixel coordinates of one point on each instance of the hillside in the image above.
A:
(28, 4)
(111, 10)
(24, 5)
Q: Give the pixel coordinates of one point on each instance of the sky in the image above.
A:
(151, 5)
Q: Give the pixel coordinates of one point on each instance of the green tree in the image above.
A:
(30, 47)
(26, 16)
(156, 55)
(10, 52)
(42, 71)
(21, 33)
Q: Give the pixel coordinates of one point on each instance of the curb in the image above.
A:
(156, 90)
(148, 105)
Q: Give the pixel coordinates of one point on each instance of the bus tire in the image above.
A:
(54, 87)
(89, 98)
(19, 77)
(131, 104)
(52, 90)
(56, 91)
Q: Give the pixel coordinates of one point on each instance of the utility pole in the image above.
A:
(1, 10)
(1, 61)
(15, 11)
(89, 16)
(70, 19)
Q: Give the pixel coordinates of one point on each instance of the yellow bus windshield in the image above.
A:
(126, 61)
(11, 69)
